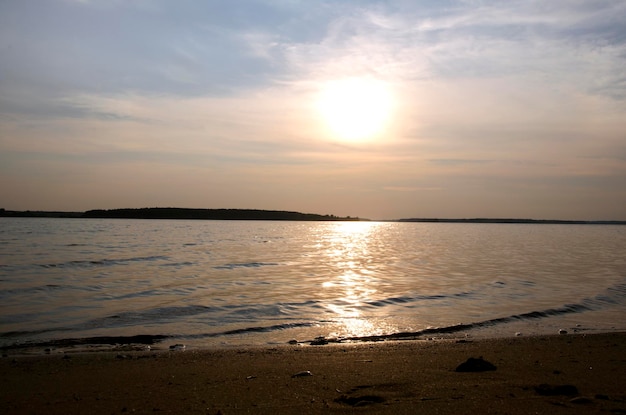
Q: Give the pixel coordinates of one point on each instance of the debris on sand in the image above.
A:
(319, 341)
(358, 401)
(177, 346)
(475, 365)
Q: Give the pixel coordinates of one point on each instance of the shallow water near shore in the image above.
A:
(232, 283)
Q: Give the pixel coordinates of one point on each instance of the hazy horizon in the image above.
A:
(471, 219)
(381, 110)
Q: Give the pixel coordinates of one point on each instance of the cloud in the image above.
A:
(490, 95)
(578, 45)
(208, 48)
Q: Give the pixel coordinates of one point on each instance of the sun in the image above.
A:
(355, 109)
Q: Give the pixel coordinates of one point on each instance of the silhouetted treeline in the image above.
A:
(182, 213)
(219, 214)
(258, 214)
(39, 214)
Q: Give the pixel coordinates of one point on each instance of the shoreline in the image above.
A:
(161, 213)
(161, 342)
(573, 373)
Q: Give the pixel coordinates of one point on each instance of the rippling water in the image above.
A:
(210, 283)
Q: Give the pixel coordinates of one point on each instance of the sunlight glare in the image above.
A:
(354, 282)
(355, 109)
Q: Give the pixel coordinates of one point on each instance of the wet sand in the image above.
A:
(561, 374)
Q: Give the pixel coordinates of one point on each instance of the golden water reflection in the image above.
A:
(352, 254)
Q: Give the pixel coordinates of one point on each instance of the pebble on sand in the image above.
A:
(178, 346)
(475, 365)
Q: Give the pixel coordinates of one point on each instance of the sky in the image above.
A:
(376, 109)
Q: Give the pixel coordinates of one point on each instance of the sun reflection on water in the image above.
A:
(351, 250)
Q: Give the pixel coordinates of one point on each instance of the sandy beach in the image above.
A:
(553, 374)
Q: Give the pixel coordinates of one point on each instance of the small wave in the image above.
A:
(258, 329)
(268, 328)
(178, 264)
(27, 333)
(151, 315)
(223, 314)
(111, 340)
(30, 290)
(103, 262)
(245, 265)
(417, 298)
(271, 310)
(614, 295)
(145, 293)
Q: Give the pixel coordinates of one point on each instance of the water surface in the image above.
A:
(230, 283)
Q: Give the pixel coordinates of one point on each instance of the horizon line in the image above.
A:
(75, 214)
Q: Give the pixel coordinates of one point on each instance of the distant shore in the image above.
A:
(512, 220)
(181, 213)
(259, 214)
(558, 374)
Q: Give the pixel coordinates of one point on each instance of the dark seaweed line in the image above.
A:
(259, 329)
(112, 340)
(613, 295)
(567, 309)
(147, 338)
(151, 339)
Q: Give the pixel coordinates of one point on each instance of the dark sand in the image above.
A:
(561, 374)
